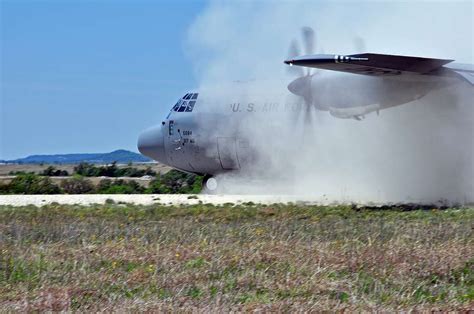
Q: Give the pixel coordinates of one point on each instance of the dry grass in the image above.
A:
(207, 258)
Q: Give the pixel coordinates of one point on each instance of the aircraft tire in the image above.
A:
(210, 184)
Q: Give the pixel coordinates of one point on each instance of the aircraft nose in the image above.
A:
(151, 144)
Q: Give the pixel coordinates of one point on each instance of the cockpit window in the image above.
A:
(186, 106)
(183, 106)
(178, 104)
(190, 106)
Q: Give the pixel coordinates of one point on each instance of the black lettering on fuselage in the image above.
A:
(266, 107)
(270, 107)
(292, 107)
(235, 107)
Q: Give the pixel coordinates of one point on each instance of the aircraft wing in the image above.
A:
(382, 65)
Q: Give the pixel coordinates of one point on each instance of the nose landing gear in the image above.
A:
(210, 184)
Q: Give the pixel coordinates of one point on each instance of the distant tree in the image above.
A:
(32, 184)
(109, 170)
(4, 188)
(87, 170)
(136, 187)
(51, 171)
(130, 172)
(175, 182)
(77, 185)
(103, 186)
(80, 169)
(119, 189)
(107, 186)
(150, 172)
(16, 173)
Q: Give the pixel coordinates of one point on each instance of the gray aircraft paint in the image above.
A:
(209, 140)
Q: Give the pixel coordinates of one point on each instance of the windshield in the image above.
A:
(186, 103)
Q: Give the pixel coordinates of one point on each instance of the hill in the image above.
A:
(120, 156)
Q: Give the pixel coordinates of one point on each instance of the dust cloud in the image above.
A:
(422, 151)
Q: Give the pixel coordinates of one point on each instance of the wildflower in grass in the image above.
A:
(235, 259)
(376, 260)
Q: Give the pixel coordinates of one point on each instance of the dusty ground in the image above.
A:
(189, 199)
(148, 199)
(193, 199)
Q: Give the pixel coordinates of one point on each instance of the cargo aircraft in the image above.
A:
(202, 132)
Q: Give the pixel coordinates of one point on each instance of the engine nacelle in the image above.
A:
(357, 113)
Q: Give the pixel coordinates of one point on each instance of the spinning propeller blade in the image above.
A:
(301, 86)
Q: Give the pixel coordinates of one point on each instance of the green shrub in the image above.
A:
(31, 184)
(51, 171)
(176, 182)
(107, 186)
(77, 185)
(20, 172)
(103, 185)
(4, 188)
(89, 170)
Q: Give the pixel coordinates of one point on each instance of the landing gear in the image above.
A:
(210, 184)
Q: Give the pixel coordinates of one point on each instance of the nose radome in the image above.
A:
(151, 144)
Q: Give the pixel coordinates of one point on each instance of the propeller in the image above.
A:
(294, 51)
(301, 86)
(309, 42)
(359, 44)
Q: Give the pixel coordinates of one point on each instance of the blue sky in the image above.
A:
(88, 76)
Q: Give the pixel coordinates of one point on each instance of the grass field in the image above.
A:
(248, 257)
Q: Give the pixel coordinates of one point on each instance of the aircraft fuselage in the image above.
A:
(215, 131)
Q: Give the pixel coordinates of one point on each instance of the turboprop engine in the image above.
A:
(357, 113)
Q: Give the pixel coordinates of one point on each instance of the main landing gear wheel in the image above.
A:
(210, 183)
